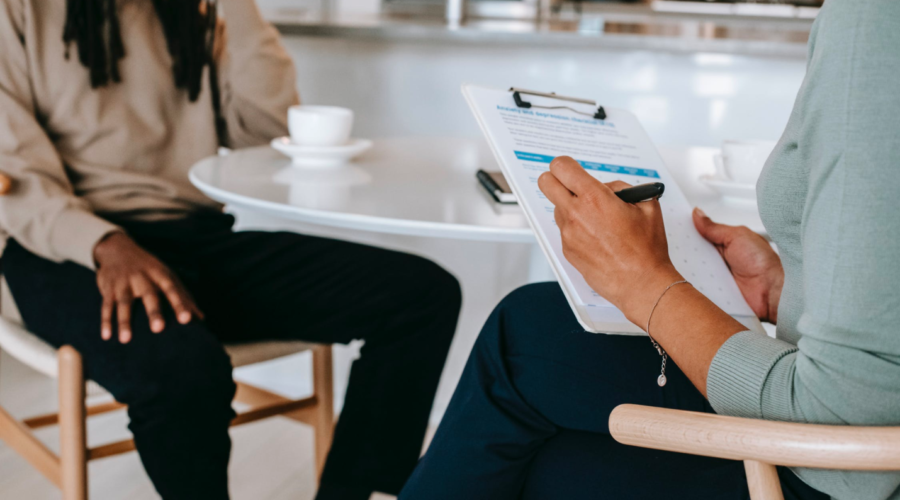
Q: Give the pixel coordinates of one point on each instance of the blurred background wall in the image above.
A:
(400, 88)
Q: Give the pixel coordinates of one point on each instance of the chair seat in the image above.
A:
(41, 356)
(256, 352)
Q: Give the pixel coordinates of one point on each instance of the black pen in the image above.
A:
(642, 192)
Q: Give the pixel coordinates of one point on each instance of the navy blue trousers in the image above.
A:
(256, 286)
(529, 419)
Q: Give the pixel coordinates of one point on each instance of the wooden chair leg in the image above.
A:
(762, 479)
(323, 383)
(72, 433)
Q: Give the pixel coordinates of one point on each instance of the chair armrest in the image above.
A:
(777, 443)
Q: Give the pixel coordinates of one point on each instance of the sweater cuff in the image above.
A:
(76, 233)
(740, 373)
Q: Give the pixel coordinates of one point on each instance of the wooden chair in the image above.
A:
(760, 444)
(68, 470)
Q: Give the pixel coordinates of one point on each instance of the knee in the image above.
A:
(447, 288)
(531, 313)
(207, 385)
(531, 299)
(432, 285)
(194, 375)
(204, 380)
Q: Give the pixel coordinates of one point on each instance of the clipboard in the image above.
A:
(527, 129)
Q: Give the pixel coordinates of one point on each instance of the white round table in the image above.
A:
(417, 186)
(414, 186)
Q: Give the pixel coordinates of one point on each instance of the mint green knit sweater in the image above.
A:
(830, 199)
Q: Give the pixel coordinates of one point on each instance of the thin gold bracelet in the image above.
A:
(661, 380)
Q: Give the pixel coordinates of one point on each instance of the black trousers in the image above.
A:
(529, 419)
(254, 286)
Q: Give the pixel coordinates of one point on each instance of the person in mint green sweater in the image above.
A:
(529, 418)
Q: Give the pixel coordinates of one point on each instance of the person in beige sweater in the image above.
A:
(104, 105)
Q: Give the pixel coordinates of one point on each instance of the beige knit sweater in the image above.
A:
(78, 154)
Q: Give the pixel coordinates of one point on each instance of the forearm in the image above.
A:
(41, 210)
(69, 234)
(691, 329)
(622, 252)
(689, 326)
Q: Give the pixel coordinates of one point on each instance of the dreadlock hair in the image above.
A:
(188, 25)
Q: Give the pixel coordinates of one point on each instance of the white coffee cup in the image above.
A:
(320, 125)
(743, 161)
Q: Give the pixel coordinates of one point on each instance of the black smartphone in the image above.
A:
(496, 186)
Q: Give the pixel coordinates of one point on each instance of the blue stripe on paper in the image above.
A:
(589, 165)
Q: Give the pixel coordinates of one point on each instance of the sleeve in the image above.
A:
(257, 76)
(41, 212)
(845, 368)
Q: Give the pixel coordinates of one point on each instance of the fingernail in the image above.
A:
(184, 318)
(158, 326)
(701, 213)
(105, 334)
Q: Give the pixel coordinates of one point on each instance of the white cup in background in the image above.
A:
(743, 161)
(320, 125)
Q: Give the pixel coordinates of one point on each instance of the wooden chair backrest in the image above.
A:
(5, 184)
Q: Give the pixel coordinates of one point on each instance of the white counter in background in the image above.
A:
(770, 30)
(668, 33)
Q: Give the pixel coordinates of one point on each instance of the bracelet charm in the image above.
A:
(661, 380)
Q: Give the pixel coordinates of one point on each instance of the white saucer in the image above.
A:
(745, 193)
(320, 156)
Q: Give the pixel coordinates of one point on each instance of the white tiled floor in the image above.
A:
(271, 459)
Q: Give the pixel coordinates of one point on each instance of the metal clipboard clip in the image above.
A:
(600, 114)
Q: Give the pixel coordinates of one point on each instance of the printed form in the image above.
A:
(525, 141)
